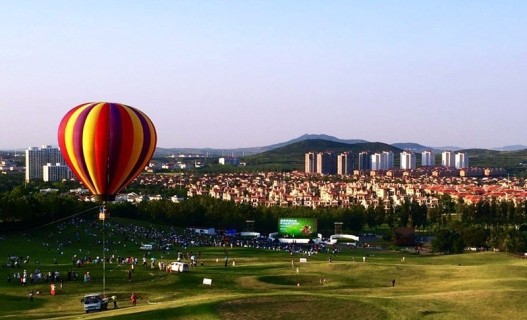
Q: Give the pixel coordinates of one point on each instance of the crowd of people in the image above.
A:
(171, 245)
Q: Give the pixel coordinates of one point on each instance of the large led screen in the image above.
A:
(298, 227)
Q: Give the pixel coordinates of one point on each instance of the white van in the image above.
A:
(94, 302)
(146, 247)
(179, 267)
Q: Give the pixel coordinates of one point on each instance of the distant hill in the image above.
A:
(451, 148)
(314, 137)
(292, 156)
(410, 146)
(515, 147)
(240, 152)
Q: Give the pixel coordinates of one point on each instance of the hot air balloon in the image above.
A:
(106, 145)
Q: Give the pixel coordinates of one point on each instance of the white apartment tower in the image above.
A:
(447, 159)
(382, 161)
(408, 160)
(37, 158)
(326, 163)
(376, 163)
(310, 162)
(56, 172)
(388, 160)
(344, 163)
(428, 158)
(461, 160)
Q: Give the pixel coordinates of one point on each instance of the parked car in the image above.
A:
(146, 247)
(179, 267)
(94, 302)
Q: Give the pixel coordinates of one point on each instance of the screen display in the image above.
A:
(298, 227)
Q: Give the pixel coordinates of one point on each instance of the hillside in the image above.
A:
(292, 156)
(512, 161)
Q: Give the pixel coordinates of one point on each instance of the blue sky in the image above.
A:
(227, 74)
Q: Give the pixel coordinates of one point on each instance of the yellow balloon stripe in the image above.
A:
(70, 149)
(88, 145)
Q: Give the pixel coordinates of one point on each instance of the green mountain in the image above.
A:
(512, 161)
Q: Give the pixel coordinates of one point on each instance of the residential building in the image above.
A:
(376, 163)
(326, 163)
(364, 161)
(388, 160)
(37, 158)
(344, 163)
(229, 160)
(461, 160)
(408, 160)
(382, 161)
(56, 172)
(310, 162)
(428, 158)
(447, 159)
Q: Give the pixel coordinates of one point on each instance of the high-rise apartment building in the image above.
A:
(376, 161)
(428, 158)
(447, 159)
(461, 160)
(310, 162)
(37, 158)
(388, 160)
(364, 161)
(326, 163)
(408, 160)
(344, 163)
(382, 161)
(56, 172)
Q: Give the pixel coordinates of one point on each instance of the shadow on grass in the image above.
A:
(16, 304)
(202, 311)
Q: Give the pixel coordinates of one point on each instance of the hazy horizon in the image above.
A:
(239, 74)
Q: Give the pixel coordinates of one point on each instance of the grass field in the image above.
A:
(263, 284)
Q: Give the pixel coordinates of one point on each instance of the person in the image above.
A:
(129, 275)
(31, 296)
(134, 299)
(114, 300)
(393, 282)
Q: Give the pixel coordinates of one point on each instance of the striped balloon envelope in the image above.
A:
(106, 145)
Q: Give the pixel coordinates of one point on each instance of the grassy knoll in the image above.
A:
(263, 284)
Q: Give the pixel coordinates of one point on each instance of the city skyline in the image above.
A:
(233, 74)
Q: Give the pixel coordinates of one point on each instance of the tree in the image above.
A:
(448, 241)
